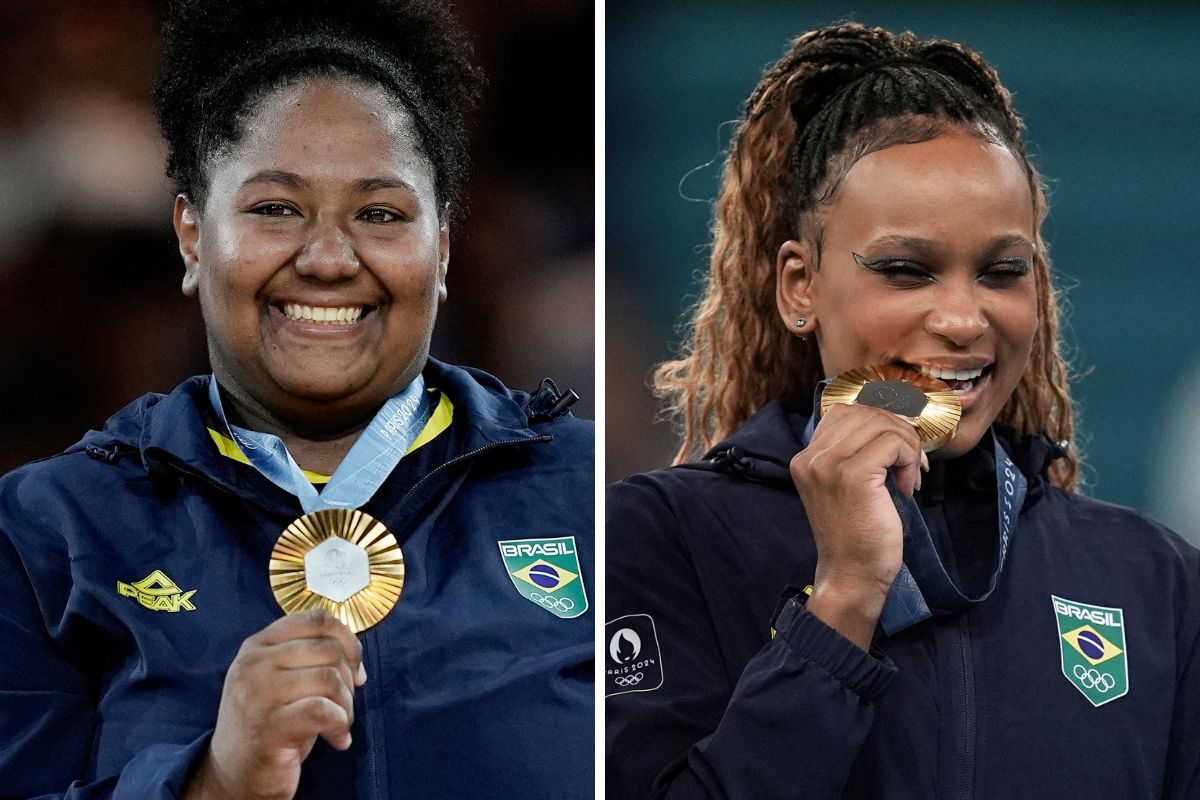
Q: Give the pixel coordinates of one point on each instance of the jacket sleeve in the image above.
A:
(48, 714)
(790, 724)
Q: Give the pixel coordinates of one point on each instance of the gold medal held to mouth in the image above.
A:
(342, 560)
(932, 406)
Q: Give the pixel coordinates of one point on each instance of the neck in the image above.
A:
(319, 451)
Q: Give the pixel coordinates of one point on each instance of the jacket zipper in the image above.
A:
(182, 470)
(459, 459)
(377, 791)
(371, 722)
(966, 744)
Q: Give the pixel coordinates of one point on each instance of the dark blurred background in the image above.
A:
(91, 314)
(1111, 96)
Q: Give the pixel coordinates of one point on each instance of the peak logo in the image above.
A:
(157, 592)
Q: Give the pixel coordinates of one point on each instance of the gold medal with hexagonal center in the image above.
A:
(341, 560)
(929, 404)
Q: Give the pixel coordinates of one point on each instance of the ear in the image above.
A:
(794, 270)
(443, 260)
(186, 219)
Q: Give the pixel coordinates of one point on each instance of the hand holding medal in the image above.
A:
(876, 422)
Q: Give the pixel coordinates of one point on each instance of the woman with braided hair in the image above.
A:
(807, 605)
(335, 567)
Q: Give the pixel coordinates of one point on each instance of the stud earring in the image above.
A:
(800, 323)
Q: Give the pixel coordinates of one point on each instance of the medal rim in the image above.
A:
(385, 564)
(936, 423)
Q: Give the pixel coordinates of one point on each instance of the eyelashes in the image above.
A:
(379, 215)
(274, 210)
(909, 273)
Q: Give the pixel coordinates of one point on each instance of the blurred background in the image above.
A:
(1111, 97)
(91, 314)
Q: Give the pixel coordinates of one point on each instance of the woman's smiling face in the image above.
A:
(319, 256)
(926, 260)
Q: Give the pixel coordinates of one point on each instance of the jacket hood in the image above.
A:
(763, 447)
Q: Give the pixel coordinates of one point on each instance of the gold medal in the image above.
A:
(341, 560)
(930, 405)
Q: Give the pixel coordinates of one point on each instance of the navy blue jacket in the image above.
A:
(972, 705)
(473, 691)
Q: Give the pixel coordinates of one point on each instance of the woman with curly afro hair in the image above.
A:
(335, 567)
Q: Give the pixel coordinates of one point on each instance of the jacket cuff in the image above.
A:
(866, 674)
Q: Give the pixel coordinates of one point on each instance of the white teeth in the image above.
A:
(951, 374)
(327, 315)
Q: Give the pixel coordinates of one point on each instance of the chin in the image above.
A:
(964, 441)
(318, 388)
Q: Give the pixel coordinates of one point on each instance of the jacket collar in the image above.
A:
(764, 446)
(169, 432)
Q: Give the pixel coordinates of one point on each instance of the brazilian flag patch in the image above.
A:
(1093, 645)
(546, 572)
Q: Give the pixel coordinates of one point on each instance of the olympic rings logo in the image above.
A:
(1094, 679)
(563, 604)
(629, 680)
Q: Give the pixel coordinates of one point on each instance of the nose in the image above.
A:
(958, 316)
(327, 254)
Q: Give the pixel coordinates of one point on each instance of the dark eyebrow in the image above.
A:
(367, 185)
(288, 179)
(294, 181)
(930, 247)
(923, 246)
(1011, 240)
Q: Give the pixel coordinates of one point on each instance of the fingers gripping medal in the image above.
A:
(341, 560)
(930, 405)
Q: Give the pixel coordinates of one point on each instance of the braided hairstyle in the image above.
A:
(222, 57)
(838, 94)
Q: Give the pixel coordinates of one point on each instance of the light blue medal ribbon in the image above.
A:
(374, 455)
(922, 587)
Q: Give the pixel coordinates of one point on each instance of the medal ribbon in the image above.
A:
(371, 459)
(923, 587)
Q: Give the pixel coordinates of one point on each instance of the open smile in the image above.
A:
(968, 381)
(341, 317)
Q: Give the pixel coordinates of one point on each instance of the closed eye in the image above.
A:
(903, 273)
(1006, 271)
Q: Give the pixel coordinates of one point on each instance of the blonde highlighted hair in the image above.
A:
(836, 95)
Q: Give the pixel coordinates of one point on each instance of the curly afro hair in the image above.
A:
(221, 57)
